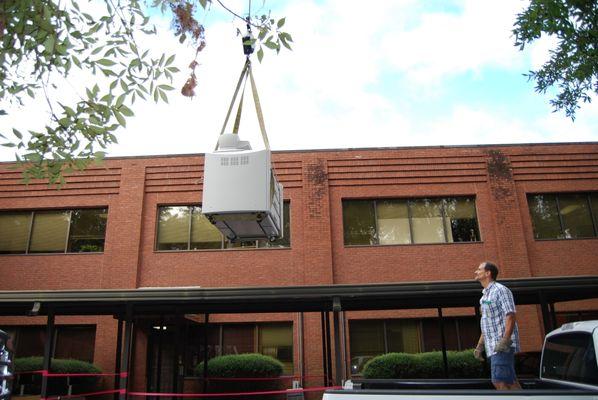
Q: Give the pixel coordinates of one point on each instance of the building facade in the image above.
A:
(351, 217)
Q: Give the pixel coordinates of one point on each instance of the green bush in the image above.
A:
(461, 364)
(242, 366)
(56, 385)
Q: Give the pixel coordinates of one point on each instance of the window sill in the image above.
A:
(564, 239)
(352, 246)
(221, 250)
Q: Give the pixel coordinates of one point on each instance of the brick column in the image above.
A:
(511, 246)
(317, 265)
(122, 254)
(317, 256)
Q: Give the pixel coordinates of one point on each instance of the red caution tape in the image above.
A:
(284, 377)
(120, 391)
(314, 389)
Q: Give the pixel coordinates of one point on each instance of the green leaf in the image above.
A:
(121, 99)
(182, 38)
(280, 22)
(99, 155)
(203, 3)
(106, 62)
(163, 95)
(287, 36)
(165, 87)
(260, 54)
(49, 44)
(271, 45)
(119, 117)
(17, 133)
(126, 111)
(169, 60)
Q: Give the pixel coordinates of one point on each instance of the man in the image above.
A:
(500, 336)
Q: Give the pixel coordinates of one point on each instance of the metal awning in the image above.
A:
(412, 295)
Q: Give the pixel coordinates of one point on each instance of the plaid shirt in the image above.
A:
(495, 304)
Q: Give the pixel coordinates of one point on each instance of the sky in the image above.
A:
(388, 73)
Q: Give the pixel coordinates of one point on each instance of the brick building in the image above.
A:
(352, 216)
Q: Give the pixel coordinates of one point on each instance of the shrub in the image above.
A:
(242, 366)
(56, 385)
(429, 365)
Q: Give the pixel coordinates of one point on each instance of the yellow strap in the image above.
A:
(232, 102)
(240, 109)
(258, 109)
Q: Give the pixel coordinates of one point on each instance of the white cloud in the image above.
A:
(331, 90)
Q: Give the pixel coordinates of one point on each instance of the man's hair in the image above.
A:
(488, 266)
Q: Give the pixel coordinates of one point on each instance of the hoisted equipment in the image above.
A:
(241, 195)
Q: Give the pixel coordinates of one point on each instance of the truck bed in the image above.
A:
(439, 389)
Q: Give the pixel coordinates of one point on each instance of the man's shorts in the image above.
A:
(502, 366)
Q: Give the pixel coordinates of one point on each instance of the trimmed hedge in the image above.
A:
(56, 385)
(461, 364)
(250, 365)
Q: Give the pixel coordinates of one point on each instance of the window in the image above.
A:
(272, 338)
(57, 231)
(570, 357)
(400, 221)
(185, 228)
(564, 216)
(370, 338)
(75, 342)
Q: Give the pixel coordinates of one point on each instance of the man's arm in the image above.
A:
(510, 321)
(508, 306)
(479, 349)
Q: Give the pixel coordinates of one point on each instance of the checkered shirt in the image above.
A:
(495, 304)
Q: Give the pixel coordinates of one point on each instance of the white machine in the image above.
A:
(241, 195)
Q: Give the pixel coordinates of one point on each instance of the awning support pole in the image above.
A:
(545, 314)
(48, 352)
(338, 363)
(126, 354)
(324, 348)
(119, 348)
(205, 352)
(443, 342)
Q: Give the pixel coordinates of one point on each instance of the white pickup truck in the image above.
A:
(568, 370)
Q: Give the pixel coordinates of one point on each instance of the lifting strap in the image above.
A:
(245, 72)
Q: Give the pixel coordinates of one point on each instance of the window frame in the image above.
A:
(589, 202)
(224, 243)
(408, 201)
(32, 213)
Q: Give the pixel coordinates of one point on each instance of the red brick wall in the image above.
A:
(315, 182)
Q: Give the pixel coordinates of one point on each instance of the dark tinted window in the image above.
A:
(570, 357)
(564, 216)
(87, 231)
(359, 222)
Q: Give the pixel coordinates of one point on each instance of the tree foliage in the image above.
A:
(573, 64)
(43, 41)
